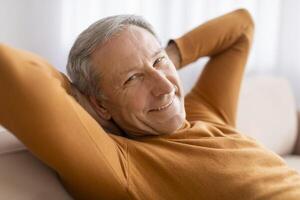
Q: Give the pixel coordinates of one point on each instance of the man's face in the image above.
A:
(143, 92)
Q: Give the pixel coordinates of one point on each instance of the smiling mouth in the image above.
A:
(163, 107)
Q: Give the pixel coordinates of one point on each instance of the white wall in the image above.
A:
(288, 56)
(33, 25)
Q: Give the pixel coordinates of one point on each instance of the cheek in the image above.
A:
(135, 98)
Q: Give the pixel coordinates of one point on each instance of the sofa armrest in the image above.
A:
(297, 143)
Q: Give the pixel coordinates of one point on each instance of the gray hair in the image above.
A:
(79, 66)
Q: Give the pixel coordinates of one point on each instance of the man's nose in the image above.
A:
(160, 84)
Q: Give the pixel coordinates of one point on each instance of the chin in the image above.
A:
(172, 126)
(155, 127)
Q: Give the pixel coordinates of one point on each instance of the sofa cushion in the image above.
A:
(23, 177)
(293, 161)
(8, 142)
(267, 112)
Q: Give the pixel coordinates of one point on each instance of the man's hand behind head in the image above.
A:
(174, 54)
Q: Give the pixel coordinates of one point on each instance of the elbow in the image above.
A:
(248, 23)
(247, 18)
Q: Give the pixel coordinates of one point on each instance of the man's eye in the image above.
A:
(131, 78)
(159, 60)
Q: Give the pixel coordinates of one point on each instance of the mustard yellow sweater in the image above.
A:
(206, 159)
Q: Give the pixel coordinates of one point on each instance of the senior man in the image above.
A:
(133, 85)
(158, 144)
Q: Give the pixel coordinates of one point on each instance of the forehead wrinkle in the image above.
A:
(140, 36)
(141, 45)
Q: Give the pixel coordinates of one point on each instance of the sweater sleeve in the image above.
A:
(36, 107)
(227, 41)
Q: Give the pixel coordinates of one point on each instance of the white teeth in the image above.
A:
(173, 93)
(163, 107)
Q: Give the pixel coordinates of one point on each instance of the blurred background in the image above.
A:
(49, 27)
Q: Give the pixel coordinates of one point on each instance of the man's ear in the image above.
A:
(99, 108)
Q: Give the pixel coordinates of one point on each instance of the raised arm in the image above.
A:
(36, 107)
(227, 41)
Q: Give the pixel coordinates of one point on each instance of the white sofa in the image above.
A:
(267, 112)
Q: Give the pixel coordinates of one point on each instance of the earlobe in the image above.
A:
(99, 108)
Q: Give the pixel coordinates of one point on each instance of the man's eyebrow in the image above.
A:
(157, 52)
(153, 55)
